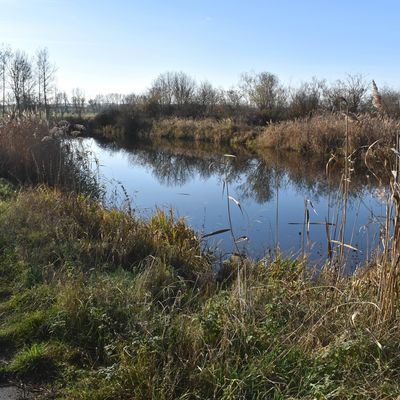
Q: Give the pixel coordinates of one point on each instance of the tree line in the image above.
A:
(28, 84)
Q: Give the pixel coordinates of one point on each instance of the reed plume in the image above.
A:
(376, 97)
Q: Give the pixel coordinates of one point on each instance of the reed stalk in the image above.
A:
(345, 193)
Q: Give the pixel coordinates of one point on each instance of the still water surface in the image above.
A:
(271, 188)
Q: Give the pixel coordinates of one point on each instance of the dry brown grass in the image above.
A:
(32, 153)
(208, 129)
(20, 141)
(324, 133)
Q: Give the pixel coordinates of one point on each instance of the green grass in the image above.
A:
(113, 307)
(36, 362)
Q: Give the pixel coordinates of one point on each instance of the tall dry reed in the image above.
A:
(325, 133)
(32, 153)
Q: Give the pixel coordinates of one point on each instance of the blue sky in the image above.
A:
(121, 46)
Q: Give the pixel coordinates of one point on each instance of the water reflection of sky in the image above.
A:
(193, 188)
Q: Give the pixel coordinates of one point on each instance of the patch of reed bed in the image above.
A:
(116, 307)
(206, 129)
(31, 152)
(325, 133)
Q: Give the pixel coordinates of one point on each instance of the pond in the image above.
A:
(276, 200)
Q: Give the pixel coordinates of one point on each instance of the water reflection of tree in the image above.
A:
(253, 177)
(260, 182)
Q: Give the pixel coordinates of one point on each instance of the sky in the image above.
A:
(122, 45)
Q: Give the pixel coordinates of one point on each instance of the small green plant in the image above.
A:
(34, 363)
(6, 189)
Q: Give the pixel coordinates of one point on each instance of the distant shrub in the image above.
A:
(120, 123)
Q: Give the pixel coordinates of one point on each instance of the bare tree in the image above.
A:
(45, 75)
(171, 92)
(131, 99)
(64, 102)
(5, 55)
(21, 81)
(78, 101)
(93, 105)
(391, 101)
(61, 103)
(162, 89)
(232, 100)
(261, 90)
(184, 88)
(207, 97)
(354, 89)
(307, 98)
(57, 101)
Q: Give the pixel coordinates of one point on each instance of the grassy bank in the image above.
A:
(118, 127)
(319, 134)
(115, 307)
(225, 131)
(325, 133)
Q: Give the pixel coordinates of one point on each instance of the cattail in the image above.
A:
(376, 97)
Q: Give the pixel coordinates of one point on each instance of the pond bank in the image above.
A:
(318, 134)
(112, 307)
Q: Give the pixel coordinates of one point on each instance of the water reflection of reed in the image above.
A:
(254, 176)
